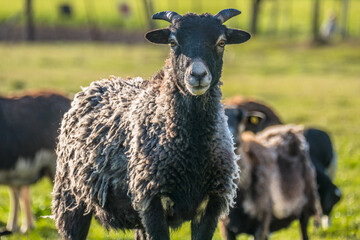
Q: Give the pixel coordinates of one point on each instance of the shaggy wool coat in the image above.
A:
(125, 141)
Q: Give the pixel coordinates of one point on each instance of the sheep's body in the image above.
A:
(28, 131)
(253, 210)
(320, 146)
(148, 144)
(149, 155)
(280, 174)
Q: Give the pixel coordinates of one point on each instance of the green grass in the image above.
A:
(316, 86)
(294, 16)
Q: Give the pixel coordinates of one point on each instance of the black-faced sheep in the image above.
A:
(28, 132)
(277, 184)
(323, 157)
(259, 116)
(149, 155)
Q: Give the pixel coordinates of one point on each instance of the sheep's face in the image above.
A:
(197, 44)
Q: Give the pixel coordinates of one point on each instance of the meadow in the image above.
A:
(314, 86)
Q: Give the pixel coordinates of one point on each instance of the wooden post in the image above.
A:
(254, 16)
(30, 29)
(315, 23)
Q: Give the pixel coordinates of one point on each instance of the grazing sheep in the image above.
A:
(324, 158)
(277, 184)
(258, 116)
(28, 131)
(149, 155)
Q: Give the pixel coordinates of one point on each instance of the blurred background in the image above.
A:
(303, 60)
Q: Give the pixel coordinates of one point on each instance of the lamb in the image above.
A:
(28, 131)
(257, 116)
(149, 155)
(277, 185)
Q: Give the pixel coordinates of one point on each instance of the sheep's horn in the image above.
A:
(169, 16)
(226, 14)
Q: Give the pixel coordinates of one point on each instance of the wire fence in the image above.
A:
(278, 18)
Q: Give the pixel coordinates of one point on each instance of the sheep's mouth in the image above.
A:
(197, 90)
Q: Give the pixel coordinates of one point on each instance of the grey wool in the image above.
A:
(150, 154)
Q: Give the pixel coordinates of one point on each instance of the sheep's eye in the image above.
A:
(221, 43)
(172, 43)
(254, 120)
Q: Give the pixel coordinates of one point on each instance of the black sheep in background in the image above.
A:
(277, 184)
(251, 115)
(28, 132)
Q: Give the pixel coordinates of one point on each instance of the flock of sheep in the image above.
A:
(151, 154)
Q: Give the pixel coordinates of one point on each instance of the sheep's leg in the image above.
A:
(226, 234)
(75, 225)
(325, 221)
(304, 220)
(28, 218)
(14, 209)
(154, 221)
(140, 234)
(263, 230)
(204, 228)
(72, 223)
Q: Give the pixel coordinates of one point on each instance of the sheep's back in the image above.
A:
(293, 180)
(91, 145)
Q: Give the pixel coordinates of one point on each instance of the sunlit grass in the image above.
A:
(305, 84)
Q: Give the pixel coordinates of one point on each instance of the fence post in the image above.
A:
(315, 23)
(254, 16)
(30, 29)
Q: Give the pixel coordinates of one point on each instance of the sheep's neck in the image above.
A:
(191, 117)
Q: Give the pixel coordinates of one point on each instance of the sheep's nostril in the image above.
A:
(198, 75)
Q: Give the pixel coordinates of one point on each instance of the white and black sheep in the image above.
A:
(151, 154)
(254, 115)
(277, 186)
(28, 133)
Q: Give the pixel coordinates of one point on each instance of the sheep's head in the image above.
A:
(197, 45)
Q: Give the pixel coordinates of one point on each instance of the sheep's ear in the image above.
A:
(236, 36)
(159, 36)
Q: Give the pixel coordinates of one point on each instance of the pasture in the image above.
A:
(314, 86)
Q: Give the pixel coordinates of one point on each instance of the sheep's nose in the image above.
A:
(198, 70)
(198, 74)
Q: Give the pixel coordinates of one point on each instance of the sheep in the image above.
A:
(259, 116)
(277, 184)
(28, 131)
(149, 155)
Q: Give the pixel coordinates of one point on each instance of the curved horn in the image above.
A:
(226, 14)
(169, 16)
